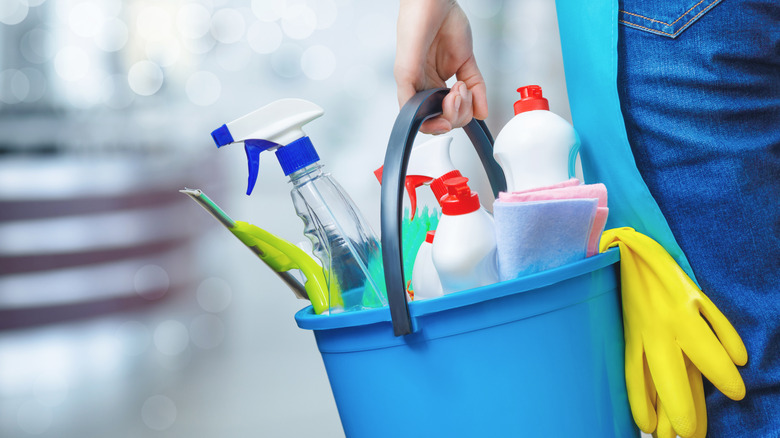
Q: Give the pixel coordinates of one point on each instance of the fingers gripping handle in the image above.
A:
(422, 106)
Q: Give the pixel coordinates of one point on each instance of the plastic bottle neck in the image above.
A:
(306, 174)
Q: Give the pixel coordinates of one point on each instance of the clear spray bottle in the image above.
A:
(341, 238)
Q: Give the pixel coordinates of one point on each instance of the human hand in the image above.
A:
(433, 44)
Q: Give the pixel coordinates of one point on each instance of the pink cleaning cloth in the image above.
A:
(571, 189)
(567, 183)
(586, 191)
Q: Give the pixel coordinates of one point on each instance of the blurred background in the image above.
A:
(125, 310)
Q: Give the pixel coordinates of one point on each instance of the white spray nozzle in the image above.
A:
(280, 122)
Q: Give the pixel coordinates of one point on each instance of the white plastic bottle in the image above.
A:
(425, 279)
(537, 147)
(464, 251)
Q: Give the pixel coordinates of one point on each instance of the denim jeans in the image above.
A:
(699, 87)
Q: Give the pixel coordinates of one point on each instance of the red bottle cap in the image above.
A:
(437, 185)
(531, 99)
(429, 236)
(460, 198)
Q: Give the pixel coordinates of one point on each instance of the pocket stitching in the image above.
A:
(675, 21)
(670, 34)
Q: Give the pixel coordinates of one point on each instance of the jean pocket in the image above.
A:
(663, 17)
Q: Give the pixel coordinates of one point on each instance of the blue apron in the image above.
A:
(591, 65)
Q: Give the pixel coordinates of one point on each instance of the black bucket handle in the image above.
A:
(422, 106)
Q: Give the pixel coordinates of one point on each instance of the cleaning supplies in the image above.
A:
(425, 280)
(279, 254)
(666, 319)
(429, 164)
(464, 250)
(573, 190)
(536, 236)
(342, 239)
(536, 145)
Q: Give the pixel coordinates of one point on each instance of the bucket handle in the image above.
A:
(420, 107)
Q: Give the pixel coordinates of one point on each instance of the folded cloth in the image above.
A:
(570, 189)
(538, 235)
(567, 183)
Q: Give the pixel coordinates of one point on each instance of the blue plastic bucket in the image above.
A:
(539, 356)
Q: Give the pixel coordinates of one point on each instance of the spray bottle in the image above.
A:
(341, 238)
(535, 146)
(464, 250)
(429, 164)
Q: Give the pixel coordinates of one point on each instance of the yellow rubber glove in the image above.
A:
(665, 318)
(665, 428)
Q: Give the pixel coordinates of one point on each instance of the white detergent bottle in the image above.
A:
(429, 164)
(464, 251)
(341, 238)
(537, 147)
(425, 279)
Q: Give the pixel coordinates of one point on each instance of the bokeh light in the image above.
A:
(13, 11)
(72, 63)
(214, 294)
(299, 22)
(193, 20)
(326, 11)
(85, 19)
(37, 84)
(227, 26)
(171, 337)
(159, 412)
(35, 46)
(151, 281)
(14, 86)
(154, 23)
(268, 10)
(200, 46)
(145, 78)
(318, 62)
(113, 35)
(264, 37)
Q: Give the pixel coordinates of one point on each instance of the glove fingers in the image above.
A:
(667, 368)
(727, 334)
(706, 352)
(665, 429)
(697, 390)
(640, 389)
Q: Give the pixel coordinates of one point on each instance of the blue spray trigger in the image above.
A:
(253, 150)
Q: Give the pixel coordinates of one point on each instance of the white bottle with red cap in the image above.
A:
(464, 250)
(429, 164)
(537, 147)
(425, 279)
